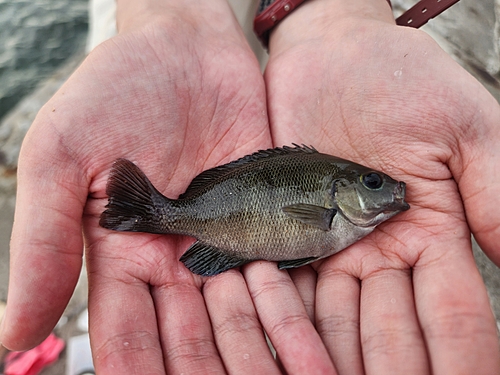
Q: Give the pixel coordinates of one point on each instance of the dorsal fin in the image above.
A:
(211, 175)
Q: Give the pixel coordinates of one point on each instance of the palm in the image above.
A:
(142, 97)
(173, 130)
(402, 110)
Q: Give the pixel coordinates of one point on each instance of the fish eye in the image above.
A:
(372, 180)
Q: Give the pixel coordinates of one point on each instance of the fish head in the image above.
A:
(367, 197)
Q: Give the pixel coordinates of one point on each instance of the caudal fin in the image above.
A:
(134, 203)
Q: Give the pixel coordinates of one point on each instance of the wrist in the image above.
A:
(132, 14)
(317, 18)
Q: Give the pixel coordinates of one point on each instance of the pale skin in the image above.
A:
(178, 91)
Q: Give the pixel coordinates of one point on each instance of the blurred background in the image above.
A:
(43, 41)
(37, 37)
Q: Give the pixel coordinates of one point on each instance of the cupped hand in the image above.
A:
(177, 91)
(408, 298)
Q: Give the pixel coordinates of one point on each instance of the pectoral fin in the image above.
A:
(318, 216)
(296, 262)
(206, 260)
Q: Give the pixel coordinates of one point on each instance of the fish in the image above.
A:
(291, 204)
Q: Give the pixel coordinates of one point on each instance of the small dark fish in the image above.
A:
(293, 205)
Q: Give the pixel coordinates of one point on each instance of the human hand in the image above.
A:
(177, 91)
(408, 298)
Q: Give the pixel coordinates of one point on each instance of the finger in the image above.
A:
(186, 332)
(285, 320)
(46, 245)
(305, 279)
(337, 317)
(391, 339)
(165, 325)
(123, 327)
(454, 310)
(477, 172)
(238, 332)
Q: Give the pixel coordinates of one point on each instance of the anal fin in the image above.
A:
(206, 260)
(294, 263)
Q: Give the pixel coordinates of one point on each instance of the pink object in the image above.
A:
(33, 361)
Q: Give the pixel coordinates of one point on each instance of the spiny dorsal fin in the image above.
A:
(211, 175)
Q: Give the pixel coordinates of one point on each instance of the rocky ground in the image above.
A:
(469, 31)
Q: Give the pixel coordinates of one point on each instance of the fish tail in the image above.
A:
(134, 203)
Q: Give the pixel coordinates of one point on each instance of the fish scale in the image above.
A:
(293, 205)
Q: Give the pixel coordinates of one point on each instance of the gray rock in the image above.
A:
(13, 128)
(469, 31)
(37, 36)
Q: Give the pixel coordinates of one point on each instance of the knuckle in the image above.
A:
(271, 287)
(192, 351)
(390, 341)
(237, 324)
(337, 325)
(287, 324)
(126, 344)
(457, 324)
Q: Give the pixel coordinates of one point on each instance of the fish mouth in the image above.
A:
(399, 203)
(393, 205)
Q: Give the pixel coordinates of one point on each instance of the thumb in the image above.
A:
(479, 182)
(46, 245)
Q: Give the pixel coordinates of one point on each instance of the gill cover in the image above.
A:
(370, 198)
